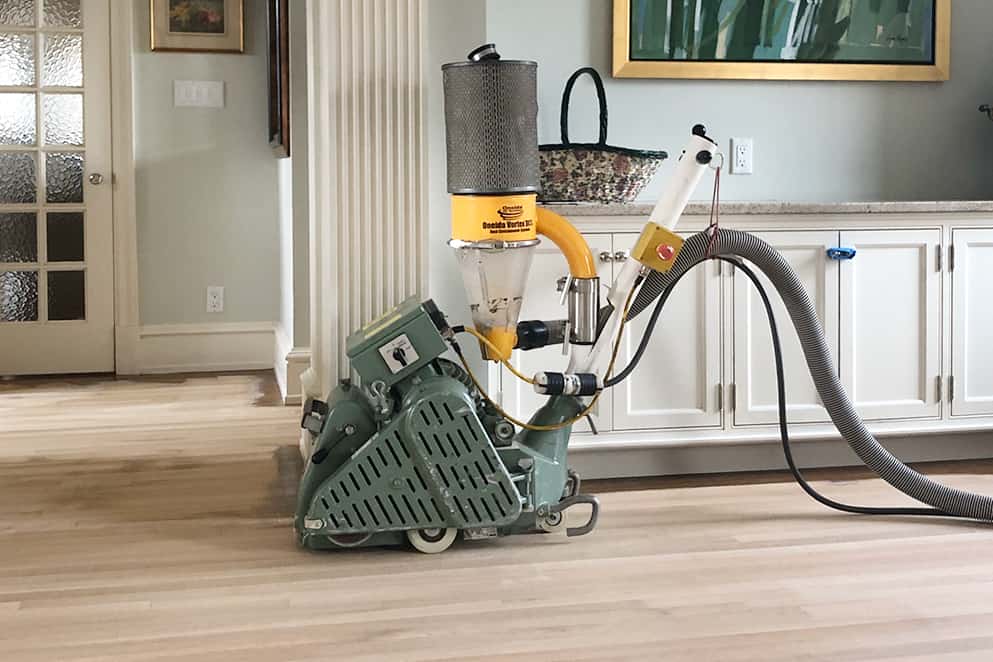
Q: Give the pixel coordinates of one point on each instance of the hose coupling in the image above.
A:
(557, 383)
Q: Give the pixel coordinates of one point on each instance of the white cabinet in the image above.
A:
(881, 313)
(677, 383)
(754, 364)
(542, 302)
(890, 321)
(972, 322)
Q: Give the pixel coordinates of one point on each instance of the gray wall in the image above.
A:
(454, 27)
(207, 201)
(814, 141)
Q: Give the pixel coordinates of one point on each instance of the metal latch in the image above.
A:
(840, 253)
(314, 414)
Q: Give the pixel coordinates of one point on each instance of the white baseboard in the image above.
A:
(289, 363)
(679, 459)
(216, 347)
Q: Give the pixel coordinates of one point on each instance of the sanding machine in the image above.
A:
(411, 448)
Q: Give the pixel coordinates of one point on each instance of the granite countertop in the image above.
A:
(745, 208)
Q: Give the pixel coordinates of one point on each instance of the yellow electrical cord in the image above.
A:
(578, 417)
(496, 352)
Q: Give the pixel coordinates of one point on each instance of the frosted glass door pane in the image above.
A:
(17, 119)
(18, 183)
(66, 295)
(63, 13)
(18, 237)
(64, 172)
(63, 61)
(62, 118)
(18, 296)
(16, 59)
(17, 12)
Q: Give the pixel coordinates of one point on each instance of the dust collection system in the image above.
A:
(416, 451)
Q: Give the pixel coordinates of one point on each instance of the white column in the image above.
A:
(367, 170)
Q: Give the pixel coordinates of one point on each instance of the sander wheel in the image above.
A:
(432, 541)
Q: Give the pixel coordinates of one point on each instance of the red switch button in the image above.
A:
(665, 252)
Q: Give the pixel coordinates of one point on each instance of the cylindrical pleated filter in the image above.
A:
(491, 114)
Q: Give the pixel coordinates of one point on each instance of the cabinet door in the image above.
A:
(676, 384)
(972, 322)
(542, 302)
(755, 393)
(890, 317)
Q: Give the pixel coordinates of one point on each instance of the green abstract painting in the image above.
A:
(800, 31)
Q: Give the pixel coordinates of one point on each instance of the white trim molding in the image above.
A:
(289, 363)
(218, 347)
(660, 459)
(126, 312)
(367, 166)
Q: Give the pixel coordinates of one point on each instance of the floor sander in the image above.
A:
(413, 449)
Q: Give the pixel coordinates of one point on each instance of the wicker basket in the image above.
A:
(593, 172)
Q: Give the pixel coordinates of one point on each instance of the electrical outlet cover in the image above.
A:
(742, 156)
(215, 299)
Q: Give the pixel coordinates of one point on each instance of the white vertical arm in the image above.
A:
(693, 163)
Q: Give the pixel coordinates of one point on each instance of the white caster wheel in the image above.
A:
(553, 523)
(431, 541)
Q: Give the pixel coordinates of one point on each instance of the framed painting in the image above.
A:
(279, 77)
(208, 26)
(906, 40)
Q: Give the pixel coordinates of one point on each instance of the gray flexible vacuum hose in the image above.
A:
(820, 364)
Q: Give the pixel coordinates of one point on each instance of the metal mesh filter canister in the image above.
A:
(491, 114)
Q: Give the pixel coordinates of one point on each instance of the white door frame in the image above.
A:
(126, 311)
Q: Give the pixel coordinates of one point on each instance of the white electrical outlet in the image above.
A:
(215, 298)
(742, 156)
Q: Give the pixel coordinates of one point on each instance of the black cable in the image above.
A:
(781, 398)
(649, 330)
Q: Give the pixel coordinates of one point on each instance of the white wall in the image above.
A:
(207, 202)
(814, 141)
(300, 147)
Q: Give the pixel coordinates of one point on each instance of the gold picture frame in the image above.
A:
(197, 26)
(939, 69)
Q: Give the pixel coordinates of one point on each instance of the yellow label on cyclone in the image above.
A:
(494, 217)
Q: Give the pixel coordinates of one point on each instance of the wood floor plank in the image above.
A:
(150, 520)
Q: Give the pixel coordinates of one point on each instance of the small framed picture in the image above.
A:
(208, 26)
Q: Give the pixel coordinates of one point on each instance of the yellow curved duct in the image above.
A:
(575, 249)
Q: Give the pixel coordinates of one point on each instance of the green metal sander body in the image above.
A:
(417, 454)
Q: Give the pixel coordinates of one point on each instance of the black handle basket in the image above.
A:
(593, 172)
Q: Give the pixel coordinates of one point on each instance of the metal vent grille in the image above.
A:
(434, 467)
(491, 122)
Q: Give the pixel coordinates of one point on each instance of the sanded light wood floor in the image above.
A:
(149, 520)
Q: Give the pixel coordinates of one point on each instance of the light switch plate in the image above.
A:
(198, 93)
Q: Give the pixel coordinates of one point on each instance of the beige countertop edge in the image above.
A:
(772, 207)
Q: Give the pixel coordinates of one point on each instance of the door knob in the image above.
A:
(96, 179)
(620, 256)
(605, 256)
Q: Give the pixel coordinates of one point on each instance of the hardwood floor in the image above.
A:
(150, 520)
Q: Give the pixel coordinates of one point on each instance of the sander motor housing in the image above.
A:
(414, 452)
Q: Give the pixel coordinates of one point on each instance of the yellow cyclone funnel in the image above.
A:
(494, 237)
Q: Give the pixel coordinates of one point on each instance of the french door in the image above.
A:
(56, 241)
